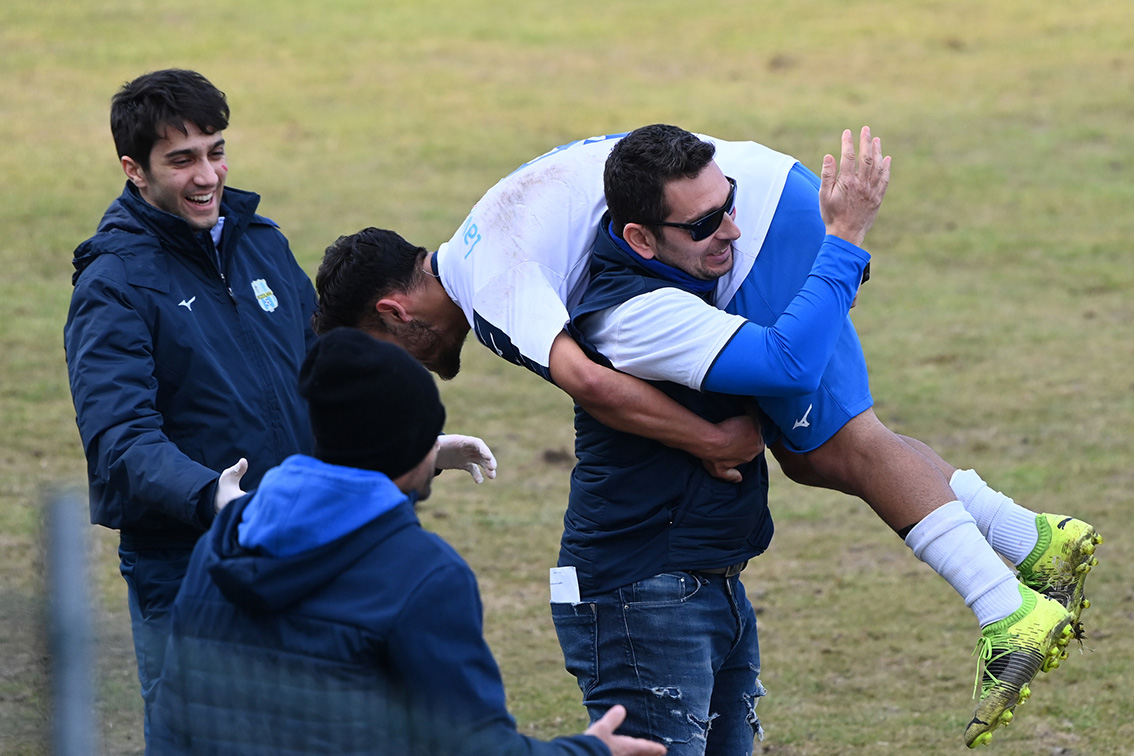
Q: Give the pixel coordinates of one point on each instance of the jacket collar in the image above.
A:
(131, 220)
(238, 208)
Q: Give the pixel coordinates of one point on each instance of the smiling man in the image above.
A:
(185, 176)
(188, 323)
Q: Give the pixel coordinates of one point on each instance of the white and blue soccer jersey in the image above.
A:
(519, 264)
(519, 261)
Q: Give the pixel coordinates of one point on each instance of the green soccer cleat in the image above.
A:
(1058, 565)
(1012, 652)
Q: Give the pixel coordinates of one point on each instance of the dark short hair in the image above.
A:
(144, 108)
(642, 163)
(358, 270)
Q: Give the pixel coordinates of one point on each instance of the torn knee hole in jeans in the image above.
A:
(703, 725)
(674, 693)
(751, 700)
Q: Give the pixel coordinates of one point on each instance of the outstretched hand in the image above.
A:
(849, 196)
(622, 745)
(466, 453)
(228, 485)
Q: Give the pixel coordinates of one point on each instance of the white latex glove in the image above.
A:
(467, 453)
(228, 484)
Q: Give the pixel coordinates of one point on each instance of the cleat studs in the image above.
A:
(1086, 603)
(983, 739)
(1089, 548)
(1006, 717)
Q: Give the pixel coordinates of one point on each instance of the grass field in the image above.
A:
(997, 325)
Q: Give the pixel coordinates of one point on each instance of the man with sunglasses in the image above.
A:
(656, 615)
(654, 279)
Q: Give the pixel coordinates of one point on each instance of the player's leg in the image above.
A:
(1023, 631)
(1010, 528)
(1053, 553)
(866, 459)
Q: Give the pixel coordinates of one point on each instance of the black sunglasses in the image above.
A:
(704, 227)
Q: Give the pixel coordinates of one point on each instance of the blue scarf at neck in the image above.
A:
(661, 270)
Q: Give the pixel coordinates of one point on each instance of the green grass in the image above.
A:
(997, 325)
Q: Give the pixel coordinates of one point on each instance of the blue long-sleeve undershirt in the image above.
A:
(789, 357)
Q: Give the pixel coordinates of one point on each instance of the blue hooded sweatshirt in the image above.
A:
(318, 616)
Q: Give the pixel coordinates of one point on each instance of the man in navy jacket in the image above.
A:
(188, 323)
(318, 616)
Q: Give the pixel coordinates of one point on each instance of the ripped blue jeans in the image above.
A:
(679, 650)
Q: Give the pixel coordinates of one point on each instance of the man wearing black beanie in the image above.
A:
(369, 406)
(318, 616)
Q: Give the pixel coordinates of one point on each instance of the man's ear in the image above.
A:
(640, 239)
(392, 308)
(134, 172)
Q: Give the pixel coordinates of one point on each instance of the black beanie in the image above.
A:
(372, 405)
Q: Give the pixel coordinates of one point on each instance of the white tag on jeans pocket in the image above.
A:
(564, 586)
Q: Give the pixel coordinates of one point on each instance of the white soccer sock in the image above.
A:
(948, 541)
(1009, 528)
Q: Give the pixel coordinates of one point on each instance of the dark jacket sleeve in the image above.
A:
(457, 689)
(111, 371)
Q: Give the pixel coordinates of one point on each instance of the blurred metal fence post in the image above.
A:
(72, 640)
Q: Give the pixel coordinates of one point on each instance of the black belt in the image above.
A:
(731, 571)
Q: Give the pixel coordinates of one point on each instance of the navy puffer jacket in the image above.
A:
(181, 361)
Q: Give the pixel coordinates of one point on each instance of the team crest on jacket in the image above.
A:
(264, 295)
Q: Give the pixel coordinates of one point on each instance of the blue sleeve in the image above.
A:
(789, 357)
(439, 647)
(110, 366)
